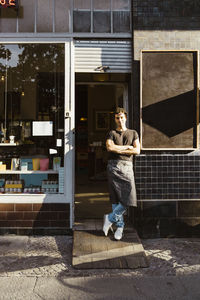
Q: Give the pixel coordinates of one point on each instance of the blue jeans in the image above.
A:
(116, 216)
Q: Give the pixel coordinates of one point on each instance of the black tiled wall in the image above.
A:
(166, 14)
(165, 177)
(170, 182)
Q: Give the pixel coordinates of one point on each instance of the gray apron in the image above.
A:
(121, 182)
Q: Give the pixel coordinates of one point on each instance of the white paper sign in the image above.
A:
(59, 142)
(53, 151)
(42, 128)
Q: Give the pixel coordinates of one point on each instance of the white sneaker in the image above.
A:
(118, 233)
(106, 225)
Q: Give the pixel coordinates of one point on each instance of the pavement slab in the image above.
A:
(39, 267)
(99, 287)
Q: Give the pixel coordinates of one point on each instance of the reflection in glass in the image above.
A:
(121, 21)
(62, 12)
(101, 21)
(82, 21)
(121, 4)
(8, 20)
(101, 4)
(45, 16)
(31, 90)
(27, 16)
(82, 4)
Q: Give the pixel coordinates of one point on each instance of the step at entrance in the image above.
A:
(92, 249)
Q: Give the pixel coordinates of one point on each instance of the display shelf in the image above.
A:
(28, 172)
(8, 144)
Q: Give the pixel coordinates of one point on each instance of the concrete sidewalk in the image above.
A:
(101, 287)
(40, 268)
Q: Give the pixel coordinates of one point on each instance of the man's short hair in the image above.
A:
(120, 110)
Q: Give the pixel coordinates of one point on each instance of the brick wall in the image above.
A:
(23, 218)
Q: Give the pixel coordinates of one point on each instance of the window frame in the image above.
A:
(195, 136)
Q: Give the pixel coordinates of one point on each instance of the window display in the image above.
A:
(31, 117)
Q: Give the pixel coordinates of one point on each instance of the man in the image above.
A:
(121, 143)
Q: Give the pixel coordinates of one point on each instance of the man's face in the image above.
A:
(120, 119)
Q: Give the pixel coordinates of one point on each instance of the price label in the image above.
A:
(8, 3)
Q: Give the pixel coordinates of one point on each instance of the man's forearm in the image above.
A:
(133, 151)
(118, 148)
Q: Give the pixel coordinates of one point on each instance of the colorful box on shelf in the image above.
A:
(2, 167)
(26, 164)
(14, 184)
(2, 182)
(56, 163)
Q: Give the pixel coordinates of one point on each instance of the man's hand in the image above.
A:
(126, 149)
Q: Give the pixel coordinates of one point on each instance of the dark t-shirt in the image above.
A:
(121, 138)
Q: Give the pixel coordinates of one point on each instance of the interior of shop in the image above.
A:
(31, 117)
(95, 102)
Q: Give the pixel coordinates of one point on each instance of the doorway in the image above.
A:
(95, 103)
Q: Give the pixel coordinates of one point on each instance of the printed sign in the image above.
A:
(9, 3)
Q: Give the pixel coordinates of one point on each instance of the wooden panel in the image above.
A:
(91, 249)
(169, 99)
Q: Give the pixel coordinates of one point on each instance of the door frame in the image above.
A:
(125, 104)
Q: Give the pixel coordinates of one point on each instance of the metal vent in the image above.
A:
(100, 56)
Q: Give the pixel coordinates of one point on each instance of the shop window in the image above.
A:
(82, 21)
(121, 21)
(82, 4)
(27, 16)
(121, 4)
(45, 16)
(101, 5)
(31, 117)
(62, 11)
(101, 21)
(8, 20)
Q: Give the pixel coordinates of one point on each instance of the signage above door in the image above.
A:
(9, 3)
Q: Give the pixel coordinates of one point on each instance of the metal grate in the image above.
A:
(93, 56)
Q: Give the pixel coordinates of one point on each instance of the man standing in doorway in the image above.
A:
(121, 143)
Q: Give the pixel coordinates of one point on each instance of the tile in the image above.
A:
(23, 207)
(6, 207)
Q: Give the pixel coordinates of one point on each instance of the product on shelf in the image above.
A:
(32, 190)
(26, 164)
(2, 190)
(13, 186)
(49, 186)
(2, 167)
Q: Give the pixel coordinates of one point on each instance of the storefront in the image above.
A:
(166, 99)
(43, 61)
